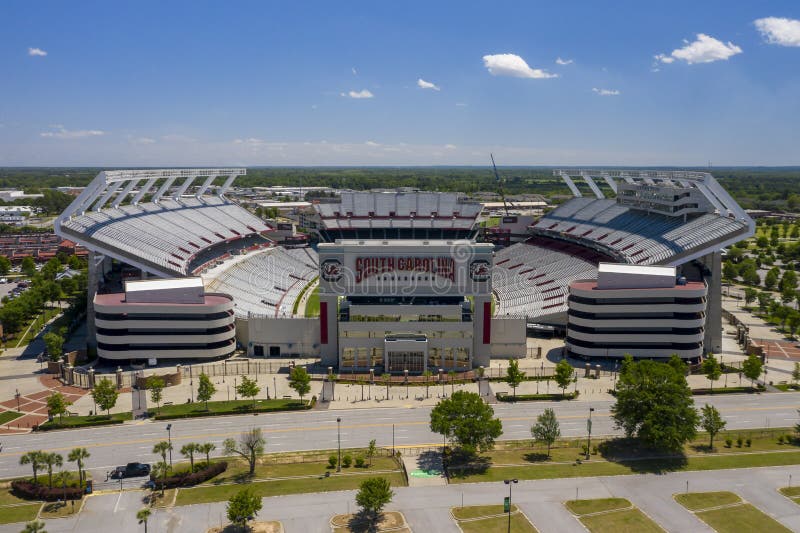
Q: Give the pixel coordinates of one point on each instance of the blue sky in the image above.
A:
(385, 83)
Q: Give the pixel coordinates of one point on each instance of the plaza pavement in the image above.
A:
(427, 508)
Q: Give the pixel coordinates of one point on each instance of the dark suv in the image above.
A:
(131, 470)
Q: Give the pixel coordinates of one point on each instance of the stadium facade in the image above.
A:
(402, 281)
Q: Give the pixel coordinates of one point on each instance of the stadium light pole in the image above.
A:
(589, 428)
(169, 439)
(509, 482)
(339, 440)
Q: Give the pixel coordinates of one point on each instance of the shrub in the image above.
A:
(780, 439)
(347, 461)
(188, 479)
(787, 439)
(739, 441)
(585, 449)
(28, 490)
(594, 449)
(332, 460)
(748, 442)
(359, 462)
(728, 442)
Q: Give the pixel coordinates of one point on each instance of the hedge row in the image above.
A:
(189, 479)
(28, 490)
(48, 426)
(535, 397)
(728, 390)
(199, 414)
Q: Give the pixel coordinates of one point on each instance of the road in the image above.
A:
(317, 430)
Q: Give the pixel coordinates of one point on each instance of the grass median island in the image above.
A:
(611, 515)
(732, 516)
(231, 407)
(622, 457)
(490, 519)
(793, 493)
(290, 473)
(8, 416)
(71, 422)
(19, 513)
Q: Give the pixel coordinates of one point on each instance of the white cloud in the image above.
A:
(450, 146)
(705, 49)
(372, 143)
(355, 72)
(422, 84)
(176, 137)
(780, 31)
(37, 52)
(560, 61)
(513, 65)
(364, 93)
(59, 132)
(142, 140)
(606, 92)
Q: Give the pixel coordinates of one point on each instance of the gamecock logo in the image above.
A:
(479, 270)
(331, 270)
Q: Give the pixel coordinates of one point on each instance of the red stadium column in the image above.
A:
(323, 322)
(487, 322)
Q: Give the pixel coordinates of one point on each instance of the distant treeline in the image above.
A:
(754, 188)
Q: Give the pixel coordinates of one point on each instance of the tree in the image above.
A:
(250, 446)
(34, 527)
(242, 507)
(514, 376)
(771, 278)
(28, 267)
(750, 295)
(752, 368)
(300, 381)
(57, 405)
(654, 403)
(248, 388)
(162, 448)
(142, 516)
(188, 450)
(205, 389)
(372, 449)
(373, 495)
(427, 375)
(36, 460)
(788, 280)
(546, 430)
(764, 299)
(712, 369)
(78, 456)
(160, 470)
(750, 276)
(156, 386)
(5, 265)
(54, 344)
(387, 379)
(712, 423)
(51, 460)
(563, 376)
(796, 373)
(793, 322)
(729, 271)
(206, 448)
(105, 395)
(467, 421)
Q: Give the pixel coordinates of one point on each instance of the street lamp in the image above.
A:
(589, 429)
(274, 387)
(509, 482)
(16, 395)
(406, 376)
(339, 440)
(169, 439)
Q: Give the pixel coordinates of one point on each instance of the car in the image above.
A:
(131, 470)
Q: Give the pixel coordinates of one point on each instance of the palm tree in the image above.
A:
(77, 456)
(34, 527)
(35, 459)
(188, 450)
(162, 448)
(50, 460)
(142, 516)
(207, 448)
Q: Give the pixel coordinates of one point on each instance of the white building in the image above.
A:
(643, 311)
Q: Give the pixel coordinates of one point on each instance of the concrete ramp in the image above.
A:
(425, 469)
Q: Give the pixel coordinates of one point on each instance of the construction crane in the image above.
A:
(499, 185)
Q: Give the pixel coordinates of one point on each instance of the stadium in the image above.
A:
(403, 279)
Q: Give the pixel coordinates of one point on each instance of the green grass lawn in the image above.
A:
(733, 519)
(8, 416)
(206, 494)
(617, 516)
(231, 407)
(695, 501)
(532, 463)
(581, 507)
(312, 304)
(71, 422)
(30, 334)
(497, 524)
(19, 513)
(792, 493)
